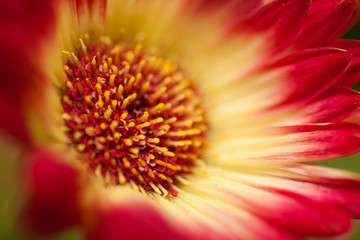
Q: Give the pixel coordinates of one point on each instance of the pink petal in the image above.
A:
(52, 193)
(326, 20)
(280, 20)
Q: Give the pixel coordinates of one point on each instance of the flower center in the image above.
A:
(134, 116)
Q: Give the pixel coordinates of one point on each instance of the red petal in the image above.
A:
(27, 25)
(297, 215)
(334, 105)
(310, 72)
(52, 192)
(326, 20)
(281, 19)
(352, 74)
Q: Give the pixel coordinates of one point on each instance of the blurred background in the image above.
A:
(8, 189)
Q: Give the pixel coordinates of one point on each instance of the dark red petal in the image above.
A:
(333, 105)
(279, 19)
(139, 220)
(310, 72)
(352, 75)
(52, 189)
(326, 20)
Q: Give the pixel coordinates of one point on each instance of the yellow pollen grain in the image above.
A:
(169, 154)
(162, 176)
(112, 81)
(107, 155)
(143, 117)
(90, 131)
(128, 142)
(117, 135)
(140, 178)
(122, 179)
(114, 104)
(113, 162)
(131, 124)
(126, 162)
(153, 140)
(107, 96)
(94, 65)
(78, 135)
(156, 108)
(109, 61)
(105, 67)
(66, 116)
(81, 147)
(89, 101)
(143, 125)
(70, 86)
(161, 163)
(150, 174)
(141, 65)
(115, 70)
(119, 92)
(103, 126)
(144, 87)
(130, 84)
(142, 162)
(98, 88)
(134, 171)
(158, 93)
(108, 113)
(156, 121)
(134, 150)
(123, 115)
(88, 83)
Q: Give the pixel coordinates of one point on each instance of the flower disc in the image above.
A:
(134, 116)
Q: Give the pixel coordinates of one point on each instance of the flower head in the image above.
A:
(182, 119)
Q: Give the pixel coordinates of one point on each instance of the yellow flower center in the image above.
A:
(134, 116)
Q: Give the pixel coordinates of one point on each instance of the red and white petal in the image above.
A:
(229, 195)
(287, 144)
(333, 105)
(326, 20)
(278, 21)
(134, 217)
(51, 193)
(285, 181)
(290, 81)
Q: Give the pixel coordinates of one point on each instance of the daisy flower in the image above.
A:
(181, 119)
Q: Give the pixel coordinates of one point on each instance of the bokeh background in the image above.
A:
(8, 182)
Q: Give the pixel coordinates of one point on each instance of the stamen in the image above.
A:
(133, 116)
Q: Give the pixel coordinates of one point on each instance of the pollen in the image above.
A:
(134, 117)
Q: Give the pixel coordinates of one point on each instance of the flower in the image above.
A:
(182, 119)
